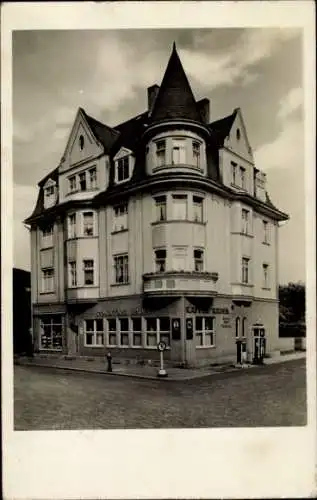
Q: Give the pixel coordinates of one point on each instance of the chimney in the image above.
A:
(151, 96)
(204, 109)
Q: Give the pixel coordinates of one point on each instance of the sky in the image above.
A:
(107, 73)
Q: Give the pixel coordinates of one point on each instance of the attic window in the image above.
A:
(238, 134)
(81, 142)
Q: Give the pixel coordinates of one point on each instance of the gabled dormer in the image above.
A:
(50, 193)
(82, 145)
(123, 165)
(237, 140)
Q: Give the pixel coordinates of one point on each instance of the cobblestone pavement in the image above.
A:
(46, 398)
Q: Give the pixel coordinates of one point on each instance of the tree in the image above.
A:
(292, 303)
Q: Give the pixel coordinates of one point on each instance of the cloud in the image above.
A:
(230, 67)
(24, 202)
(291, 103)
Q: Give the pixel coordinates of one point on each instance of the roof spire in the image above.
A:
(175, 98)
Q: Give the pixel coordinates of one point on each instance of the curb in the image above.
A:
(151, 377)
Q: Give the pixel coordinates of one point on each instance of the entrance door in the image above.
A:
(259, 345)
(239, 351)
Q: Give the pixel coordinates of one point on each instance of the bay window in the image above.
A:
(179, 152)
(199, 260)
(88, 265)
(160, 153)
(179, 206)
(72, 274)
(160, 208)
(93, 178)
(72, 226)
(72, 184)
(179, 259)
(198, 208)
(88, 223)
(196, 154)
(160, 260)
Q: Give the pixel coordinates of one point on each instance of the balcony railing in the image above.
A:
(174, 282)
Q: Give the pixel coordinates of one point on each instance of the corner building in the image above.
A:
(160, 228)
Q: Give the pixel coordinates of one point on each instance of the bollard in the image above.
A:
(109, 362)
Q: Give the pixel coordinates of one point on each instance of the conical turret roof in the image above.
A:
(175, 98)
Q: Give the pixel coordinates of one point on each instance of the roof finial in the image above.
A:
(174, 46)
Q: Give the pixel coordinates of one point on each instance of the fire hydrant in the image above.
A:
(109, 361)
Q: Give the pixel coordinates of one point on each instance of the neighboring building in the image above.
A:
(22, 340)
(160, 228)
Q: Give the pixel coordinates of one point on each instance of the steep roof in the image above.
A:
(220, 129)
(175, 98)
(104, 134)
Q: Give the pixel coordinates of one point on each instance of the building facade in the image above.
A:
(158, 229)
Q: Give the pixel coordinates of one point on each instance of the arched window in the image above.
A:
(238, 134)
(81, 142)
(244, 327)
(238, 327)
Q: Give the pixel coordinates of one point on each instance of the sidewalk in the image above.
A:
(145, 372)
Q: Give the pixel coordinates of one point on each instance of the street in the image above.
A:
(48, 399)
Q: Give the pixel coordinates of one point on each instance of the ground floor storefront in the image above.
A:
(196, 330)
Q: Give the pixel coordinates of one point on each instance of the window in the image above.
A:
(242, 177)
(94, 334)
(179, 262)
(157, 330)
(245, 221)
(198, 208)
(238, 327)
(233, 173)
(160, 207)
(72, 226)
(72, 274)
(47, 237)
(180, 206)
(238, 134)
(120, 221)
(199, 260)
(204, 328)
(123, 169)
(179, 152)
(72, 184)
(124, 331)
(160, 153)
(93, 178)
(51, 332)
(265, 232)
(89, 272)
(47, 280)
(82, 181)
(88, 223)
(244, 321)
(196, 153)
(81, 142)
(136, 332)
(160, 261)
(49, 193)
(245, 270)
(121, 267)
(265, 271)
(112, 331)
